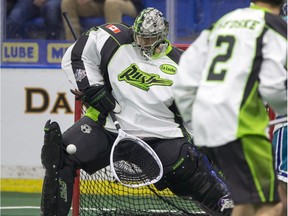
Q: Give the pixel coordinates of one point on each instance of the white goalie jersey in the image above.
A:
(229, 73)
(141, 87)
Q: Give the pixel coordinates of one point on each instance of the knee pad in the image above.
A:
(184, 167)
(181, 170)
(195, 178)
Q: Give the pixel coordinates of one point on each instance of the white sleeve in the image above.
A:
(273, 74)
(189, 75)
(84, 60)
(67, 67)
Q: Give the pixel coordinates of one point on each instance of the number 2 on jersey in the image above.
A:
(222, 58)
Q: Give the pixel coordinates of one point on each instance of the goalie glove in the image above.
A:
(99, 98)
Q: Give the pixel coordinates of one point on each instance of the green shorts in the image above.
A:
(248, 167)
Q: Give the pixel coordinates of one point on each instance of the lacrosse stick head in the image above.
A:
(133, 162)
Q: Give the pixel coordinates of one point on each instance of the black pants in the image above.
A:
(94, 144)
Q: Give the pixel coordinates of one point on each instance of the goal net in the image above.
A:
(101, 194)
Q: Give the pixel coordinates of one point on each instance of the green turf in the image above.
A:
(20, 204)
(20, 199)
(27, 204)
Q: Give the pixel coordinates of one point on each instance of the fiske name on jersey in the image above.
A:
(249, 24)
(140, 79)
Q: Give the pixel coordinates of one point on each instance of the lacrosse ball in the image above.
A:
(71, 149)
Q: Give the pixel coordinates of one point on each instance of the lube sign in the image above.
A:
(32, 53)
(20, 52)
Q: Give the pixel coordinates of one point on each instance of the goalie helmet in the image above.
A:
(150, 30)
(283, 11)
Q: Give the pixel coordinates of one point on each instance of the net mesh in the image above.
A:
(133, 164)
(101, 194)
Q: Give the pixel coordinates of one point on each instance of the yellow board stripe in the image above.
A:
(21, 185)
(35, 186)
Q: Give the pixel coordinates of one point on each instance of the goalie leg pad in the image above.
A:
(195, 178)
(49, 192)
(65, 192)
(57, 192)
(52, 150)
(59, 176)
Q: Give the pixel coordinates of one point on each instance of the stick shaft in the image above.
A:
(68, 21)
(116, 123)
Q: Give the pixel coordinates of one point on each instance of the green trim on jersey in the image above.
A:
(261, 165)
(260, 8)
(253, 118)
(168, 49)
(92, 113)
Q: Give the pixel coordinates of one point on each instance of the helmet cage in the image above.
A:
(149, 30)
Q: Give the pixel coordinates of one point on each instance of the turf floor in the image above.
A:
(20, 204)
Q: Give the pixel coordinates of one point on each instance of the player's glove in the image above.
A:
(98, 97)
